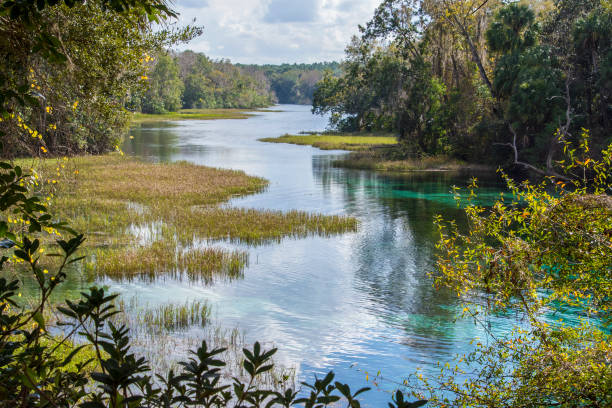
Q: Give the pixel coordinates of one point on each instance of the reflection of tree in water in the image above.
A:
(155, 140)
(393, 250)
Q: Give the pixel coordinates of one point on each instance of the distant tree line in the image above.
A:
(295, 83)
(506, 81)
(190, 80)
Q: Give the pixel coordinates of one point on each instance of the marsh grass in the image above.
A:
(380, 160)
(165, 333)
(256, 226)
(199, 114)
(167, 317)
(142, 219)
(336, 142)
(168, 259)
(371, 151)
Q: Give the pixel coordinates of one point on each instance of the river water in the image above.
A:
(355, 303)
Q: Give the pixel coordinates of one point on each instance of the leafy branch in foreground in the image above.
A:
(546, 254)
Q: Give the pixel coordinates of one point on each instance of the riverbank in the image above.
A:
(150, 219)
(381, 160)
(197, 114)
(336, 142)
(374, 152)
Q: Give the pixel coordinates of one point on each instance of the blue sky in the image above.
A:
(275, 31)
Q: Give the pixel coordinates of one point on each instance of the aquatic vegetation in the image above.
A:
(141, 219)
(380, 160)
(256, 226)
(336, 142)
(197, 114)
(164, 317)
(165, 333)
(165, 257)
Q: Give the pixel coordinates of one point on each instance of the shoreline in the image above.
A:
(198, 114)
(371, 151)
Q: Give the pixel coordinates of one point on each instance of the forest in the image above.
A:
(295, 83)
(188, 80)
(503, 82)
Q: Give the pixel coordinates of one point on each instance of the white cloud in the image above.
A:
(275, 31)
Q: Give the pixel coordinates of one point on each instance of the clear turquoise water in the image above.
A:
(357, 302)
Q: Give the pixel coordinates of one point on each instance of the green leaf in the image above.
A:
(38, 318)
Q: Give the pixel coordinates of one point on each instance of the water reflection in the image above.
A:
(155, 139)
(362, 298)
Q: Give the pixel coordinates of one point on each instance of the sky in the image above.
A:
(275, 31)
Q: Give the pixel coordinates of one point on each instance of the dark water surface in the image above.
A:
(352, 303)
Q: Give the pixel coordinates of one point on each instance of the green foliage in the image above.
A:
(191, 80)
(68, 69)
(474, 79)
(546, 255)
(294, 83)
(36, 372)
(513, 30)
(165, 87)
(202, 83)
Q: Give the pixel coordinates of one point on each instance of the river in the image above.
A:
(355, 303)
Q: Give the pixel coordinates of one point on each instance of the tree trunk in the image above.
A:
(475, 56)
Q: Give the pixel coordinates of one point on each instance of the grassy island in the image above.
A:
(147, 219)
(371, 151)
(197, 114)
(354, 142)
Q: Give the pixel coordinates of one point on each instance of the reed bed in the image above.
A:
(256, 226)
(141, 219)
(168, 259)
(167, 317)
(171, 317)
(335, 142)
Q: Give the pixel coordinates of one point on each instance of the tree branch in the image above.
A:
(513, 146)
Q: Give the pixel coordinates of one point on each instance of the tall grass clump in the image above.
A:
(167, 259)
(172, 317)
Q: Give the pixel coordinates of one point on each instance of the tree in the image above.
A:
(165, 88)
(68, 70)
(508, 81)
(543, 255)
